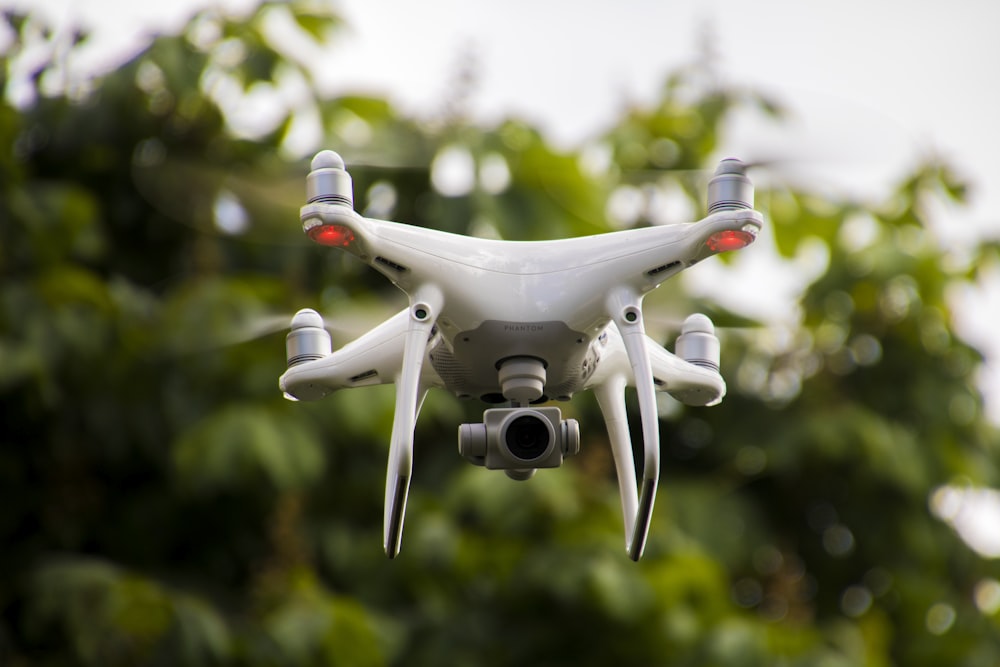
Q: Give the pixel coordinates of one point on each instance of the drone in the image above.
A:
(517, 324)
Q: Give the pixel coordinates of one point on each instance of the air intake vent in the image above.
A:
(391, 264)
(661, 269)
(370, 375)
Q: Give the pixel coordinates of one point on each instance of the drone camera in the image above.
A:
(515, 439)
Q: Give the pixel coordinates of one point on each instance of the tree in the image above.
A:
(164, 505)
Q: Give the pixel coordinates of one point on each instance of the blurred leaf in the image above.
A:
(311, 627)
(112, 617)
(242, 445)
(202, 635)
(316, 25)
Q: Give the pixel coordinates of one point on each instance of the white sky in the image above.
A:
(873, 84)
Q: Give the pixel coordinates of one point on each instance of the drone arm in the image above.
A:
(625, 307)
(687, 382)
(425, 306)
(374, 358)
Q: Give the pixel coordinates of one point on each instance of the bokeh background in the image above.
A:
(162, 504)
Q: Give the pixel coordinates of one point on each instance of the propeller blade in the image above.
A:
(227, 330)
(258, 203)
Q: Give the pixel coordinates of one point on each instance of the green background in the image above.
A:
(163, 505)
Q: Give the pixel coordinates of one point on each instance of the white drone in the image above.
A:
(519, 323)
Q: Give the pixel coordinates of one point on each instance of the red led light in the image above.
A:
(730, 239)
(336, 236)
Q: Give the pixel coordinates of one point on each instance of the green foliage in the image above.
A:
(111, 617)
(164, 505)
(246, 444)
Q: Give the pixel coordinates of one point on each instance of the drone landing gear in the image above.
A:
(410, 392)
(637, 508)
(611, 399)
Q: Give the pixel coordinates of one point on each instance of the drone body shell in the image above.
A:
(566, 314)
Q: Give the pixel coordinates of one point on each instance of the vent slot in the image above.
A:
(661, 269)
(371, 374)
(391, 264)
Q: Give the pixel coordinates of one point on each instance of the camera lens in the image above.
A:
(527, 437)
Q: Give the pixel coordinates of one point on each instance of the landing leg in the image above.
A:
(625, 309)
(424, 309)
(611, 399)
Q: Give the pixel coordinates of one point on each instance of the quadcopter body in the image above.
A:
(518, 324)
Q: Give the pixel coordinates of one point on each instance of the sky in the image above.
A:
(872, 86)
